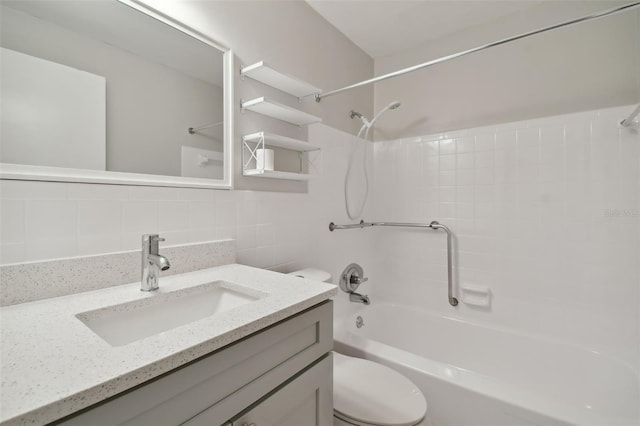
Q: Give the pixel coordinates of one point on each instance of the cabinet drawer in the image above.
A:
(263, 361)
(306, 399)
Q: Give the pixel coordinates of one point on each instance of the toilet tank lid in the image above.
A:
(313, 274)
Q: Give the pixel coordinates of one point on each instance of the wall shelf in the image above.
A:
(279, 111)
(263, 73)
(277, 174)
(309, 156)
(271, 139)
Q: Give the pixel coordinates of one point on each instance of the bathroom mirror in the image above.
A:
(112, 91)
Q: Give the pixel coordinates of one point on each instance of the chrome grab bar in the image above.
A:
(433, 225)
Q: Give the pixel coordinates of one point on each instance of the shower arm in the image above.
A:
(433, 225)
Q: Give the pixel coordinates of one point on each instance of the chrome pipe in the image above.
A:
(193, 130)
(596, 15)
(433, 225)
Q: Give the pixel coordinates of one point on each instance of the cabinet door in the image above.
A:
(306, 400)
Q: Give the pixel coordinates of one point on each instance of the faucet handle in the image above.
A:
(357, 280)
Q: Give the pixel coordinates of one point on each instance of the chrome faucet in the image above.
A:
(359, 298)
(350, 280)
(152, 262)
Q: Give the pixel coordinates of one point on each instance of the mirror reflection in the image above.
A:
(99, 85)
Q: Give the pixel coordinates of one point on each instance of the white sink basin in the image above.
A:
(121, 324)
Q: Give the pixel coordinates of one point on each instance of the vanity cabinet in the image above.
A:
(305, 400)
(280, 375)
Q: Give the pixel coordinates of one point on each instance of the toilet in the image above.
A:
(366, 393)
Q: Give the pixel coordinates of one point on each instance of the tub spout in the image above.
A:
(359, 298)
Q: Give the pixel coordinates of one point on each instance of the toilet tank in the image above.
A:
(313, 274)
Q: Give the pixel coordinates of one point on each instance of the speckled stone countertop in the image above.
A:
(54, 365)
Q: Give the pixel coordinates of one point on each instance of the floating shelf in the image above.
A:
(263, 73)
(279, 111)
(277, 175)
(280, 142)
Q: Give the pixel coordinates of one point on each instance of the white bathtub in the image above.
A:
(477, 375)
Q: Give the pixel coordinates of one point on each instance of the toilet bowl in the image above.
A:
(366, 393)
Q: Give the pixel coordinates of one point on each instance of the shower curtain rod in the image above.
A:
(627, 122)
(433, 225)
(193, 130)
(596, 15)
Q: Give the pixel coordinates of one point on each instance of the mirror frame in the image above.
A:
(60, 174)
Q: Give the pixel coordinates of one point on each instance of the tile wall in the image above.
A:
(546, 214)
(281, 231)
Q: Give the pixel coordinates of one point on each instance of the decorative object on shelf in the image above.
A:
(253, 143)
(263, 73)
(279, 111)
(264, 159)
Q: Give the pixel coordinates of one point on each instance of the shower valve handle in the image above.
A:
(357, 280)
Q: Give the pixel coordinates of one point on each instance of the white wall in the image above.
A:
(294, 39)
(546, 213)
(582, 67)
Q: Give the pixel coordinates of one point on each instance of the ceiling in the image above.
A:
(387, 27)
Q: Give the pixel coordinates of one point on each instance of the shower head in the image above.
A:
(392, 105)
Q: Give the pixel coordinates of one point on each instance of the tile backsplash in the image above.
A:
(45, 220)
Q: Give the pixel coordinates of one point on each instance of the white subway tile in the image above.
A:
(51, 220)
(88, 191)
(13, 253)
(33, 190)
(181, 237)
(485, 142)
(12, 221)
(193, 194)
(447, 162)
(247, 237)
(99, 243)
(139, 217)
(465, 177)
(202, 235)
(264, 235)
(465, 144)
(99, 218)
(484, 176)
(528, 139)
(447, 146)
(447, 194)
(227, 232)
(202, 215)
(157, 193)
(173, 216)
(465, 160)
(51, 248)
(485, 159)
